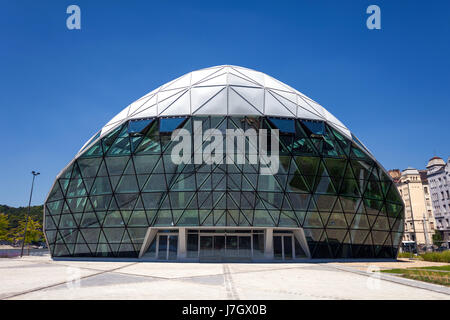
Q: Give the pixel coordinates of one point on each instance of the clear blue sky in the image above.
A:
(391, 87)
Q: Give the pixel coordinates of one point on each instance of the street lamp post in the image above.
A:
(34, 173)
(412, 214)
(425, 230)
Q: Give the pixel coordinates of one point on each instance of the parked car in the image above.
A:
(442, 248)
(409, 246)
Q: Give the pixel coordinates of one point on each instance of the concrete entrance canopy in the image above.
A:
(182, 233)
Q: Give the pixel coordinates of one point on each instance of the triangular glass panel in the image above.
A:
(344, 142)
(246, 217)
(113, 235)
(379, 237)
(349, 187)
(56, 193)
(371, 220)
(156, 182)
(126, 201)
(324, 202)
(373, 207)
(349, 204)
(300, 217)
(138, 218)
(206, 217)
(116, 165)
(219, 217)
(313, 220)
(337, 220)
(89, 167)
(324, 185)
(55, 207)
(381, 223)
(64, 183)
(232, 217)
(263, 218)
(393, 195)
(358, 236)
(101, 185)
(322, 249)
(357, 153)
(127, 184)
(144, 164)
(358, 221)
(373, 190)
(94, 151)
(89, 220)
(113, 219)
(109, 139)
(308, 165)
(325, 216)
(76, 188)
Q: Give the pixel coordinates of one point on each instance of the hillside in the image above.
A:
(17, 214)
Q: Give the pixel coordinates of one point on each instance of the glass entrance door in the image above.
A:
(206, 247)
(225, 246)
(219, 246)
(232, 247)
(167, 247)
(245, 247)
(282, 247)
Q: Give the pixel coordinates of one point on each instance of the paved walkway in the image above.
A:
(399, 264)
(40, 277)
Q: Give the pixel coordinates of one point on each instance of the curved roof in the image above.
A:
(226, 90)
(410, 170)
(435, 161)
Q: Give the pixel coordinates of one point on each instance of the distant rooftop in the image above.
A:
(435, 161)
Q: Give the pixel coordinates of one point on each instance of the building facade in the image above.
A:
(224, 163)
(419, 219)
(438, 173)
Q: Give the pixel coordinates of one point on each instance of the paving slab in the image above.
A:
(43, 278)
(399, 264)
(168, 270)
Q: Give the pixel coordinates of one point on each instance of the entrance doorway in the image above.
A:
(283, 247)
(163, 247)
(223, 245)
(167, 247)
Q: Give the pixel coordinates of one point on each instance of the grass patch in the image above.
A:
(437, 275)
(442, 268)
(406, 255)
(437, 256)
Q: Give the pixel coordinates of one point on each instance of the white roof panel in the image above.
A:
(207, 92)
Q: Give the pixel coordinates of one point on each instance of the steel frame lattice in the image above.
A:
(124, 181)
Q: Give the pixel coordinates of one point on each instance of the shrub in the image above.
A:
(437, 256)
(406, 255)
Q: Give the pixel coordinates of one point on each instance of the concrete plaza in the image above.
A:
(40, 277)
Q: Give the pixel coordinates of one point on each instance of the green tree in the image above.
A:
(437, 238)
(34, 231)
(4, 227)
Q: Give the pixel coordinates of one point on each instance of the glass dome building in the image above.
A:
(224, 163)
